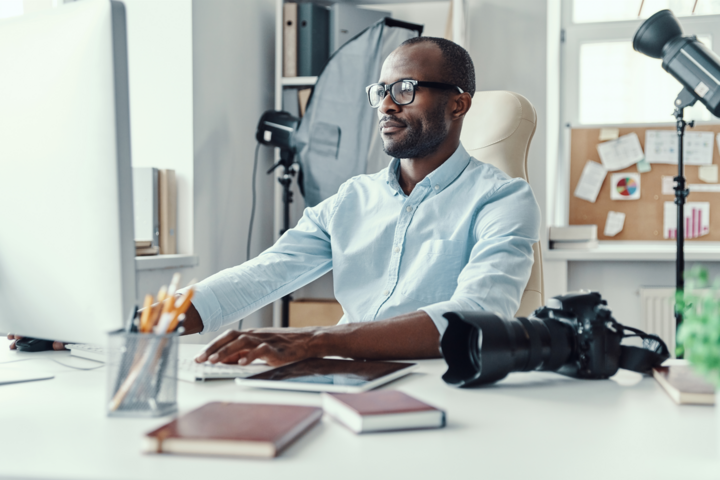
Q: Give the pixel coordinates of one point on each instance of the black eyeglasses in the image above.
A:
(402, 91)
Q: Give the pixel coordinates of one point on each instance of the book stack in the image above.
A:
(574, 237)
(155, 209)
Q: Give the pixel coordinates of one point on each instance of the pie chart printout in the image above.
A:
(627, 187)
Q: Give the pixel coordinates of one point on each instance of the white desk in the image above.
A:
(534, 425)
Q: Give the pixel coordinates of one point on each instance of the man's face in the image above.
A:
(415, 130)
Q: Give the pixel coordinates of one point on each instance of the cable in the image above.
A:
(252, 212)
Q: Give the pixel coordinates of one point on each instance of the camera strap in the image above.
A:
(642, 359)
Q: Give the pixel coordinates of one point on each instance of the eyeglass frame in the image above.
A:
(415, 84)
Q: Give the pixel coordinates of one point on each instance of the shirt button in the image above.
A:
(396, 249)
(386, 293)
(437, 187)
(409, 208)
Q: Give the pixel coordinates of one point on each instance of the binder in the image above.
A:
(167, 189)
(313, 39)
(145, 204)
(290, 37)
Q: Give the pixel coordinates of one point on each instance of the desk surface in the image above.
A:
(531, 425)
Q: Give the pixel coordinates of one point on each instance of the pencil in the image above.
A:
(145, 316)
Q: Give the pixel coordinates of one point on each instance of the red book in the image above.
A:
(381, 410)
(233, 429)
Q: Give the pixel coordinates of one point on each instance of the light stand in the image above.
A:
(287, 161)
(684, 99)
(697, 68)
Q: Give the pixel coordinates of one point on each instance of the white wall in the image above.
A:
(233, 51)
(160, 67)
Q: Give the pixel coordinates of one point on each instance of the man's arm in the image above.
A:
(412, 335)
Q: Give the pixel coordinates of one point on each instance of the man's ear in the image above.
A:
(463, 102)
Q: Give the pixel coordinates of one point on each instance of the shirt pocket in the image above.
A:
(433, 274)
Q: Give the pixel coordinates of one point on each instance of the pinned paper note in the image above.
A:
(643, 166)
(609, 134)
(704, 187)
(668, 185)
(591, 180)
(708, 173)
(661, 147)
(614, 223)
(697, 220)
(625, 186)
(620, 153)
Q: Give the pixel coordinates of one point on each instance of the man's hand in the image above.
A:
(15, 338)
(276, 346)
(408, 336)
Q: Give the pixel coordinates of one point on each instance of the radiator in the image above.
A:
(658, 313)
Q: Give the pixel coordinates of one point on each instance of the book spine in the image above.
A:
(168, 212)
(290, 39)
(296, 432)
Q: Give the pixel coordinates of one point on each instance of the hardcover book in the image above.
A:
(684, 385)
(382, 410)
(233, 429)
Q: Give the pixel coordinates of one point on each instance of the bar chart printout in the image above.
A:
(697, 220)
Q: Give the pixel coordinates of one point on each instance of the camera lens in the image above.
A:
(508, 345)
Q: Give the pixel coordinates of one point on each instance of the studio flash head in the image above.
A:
(692, 64)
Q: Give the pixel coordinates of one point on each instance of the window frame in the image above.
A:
(575, 35)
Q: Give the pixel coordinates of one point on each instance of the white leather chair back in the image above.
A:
(498, 130)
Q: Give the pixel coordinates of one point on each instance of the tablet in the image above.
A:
(329, 375)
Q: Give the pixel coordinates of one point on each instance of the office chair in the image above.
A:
(498, 130)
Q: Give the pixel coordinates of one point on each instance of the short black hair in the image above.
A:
(459, 69)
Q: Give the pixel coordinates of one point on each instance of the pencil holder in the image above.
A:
(142, 374)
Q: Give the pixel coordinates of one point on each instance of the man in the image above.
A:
(436, 231)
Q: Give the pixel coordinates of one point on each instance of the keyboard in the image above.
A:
(188, 370)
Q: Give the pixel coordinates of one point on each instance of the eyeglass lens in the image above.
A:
(402, 93)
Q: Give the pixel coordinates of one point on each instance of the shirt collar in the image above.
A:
(439, 178)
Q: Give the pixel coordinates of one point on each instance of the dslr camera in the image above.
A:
(574, 334)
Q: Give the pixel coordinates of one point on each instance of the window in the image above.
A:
(605, 81)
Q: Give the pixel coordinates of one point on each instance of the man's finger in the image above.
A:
(58, 346)
(219, 342)
(224, 354)
(263, 351)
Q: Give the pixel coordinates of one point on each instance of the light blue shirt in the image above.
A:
(462, 240)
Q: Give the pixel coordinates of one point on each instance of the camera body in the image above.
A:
(596, 335)
(574, 334)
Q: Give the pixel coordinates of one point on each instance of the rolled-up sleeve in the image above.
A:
(506, 227)
(300, 256)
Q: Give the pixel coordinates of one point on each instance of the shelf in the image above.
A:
(638, 251)
(158, 262)
(298, 81)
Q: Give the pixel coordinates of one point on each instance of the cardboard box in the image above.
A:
(310, 312)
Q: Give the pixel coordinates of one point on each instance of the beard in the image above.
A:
(421, 137)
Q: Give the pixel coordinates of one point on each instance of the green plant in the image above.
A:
(699, 333)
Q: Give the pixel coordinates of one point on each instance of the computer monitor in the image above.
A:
(67, 268)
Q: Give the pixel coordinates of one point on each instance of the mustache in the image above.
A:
(386, 118)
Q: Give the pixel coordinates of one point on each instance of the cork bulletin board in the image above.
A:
(643, 217)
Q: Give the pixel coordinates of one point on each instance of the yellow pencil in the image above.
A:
(145, 316)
